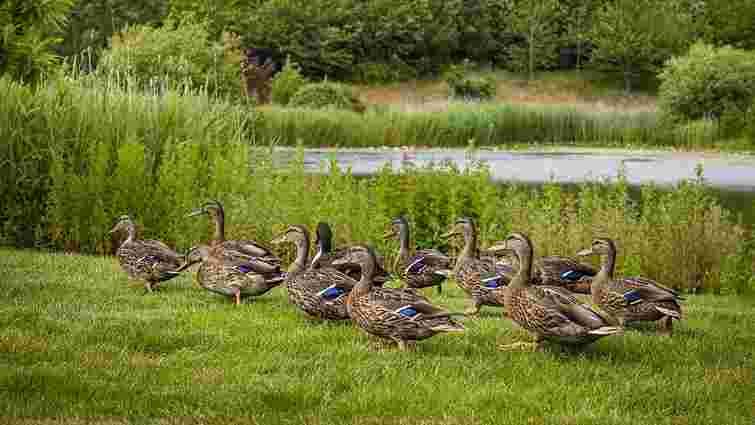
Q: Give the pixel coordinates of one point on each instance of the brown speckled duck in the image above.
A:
(422, 268)
(548, 312)
(320, 292)
(148, 260)
(631, 299)
(401, 315)
(482, 280)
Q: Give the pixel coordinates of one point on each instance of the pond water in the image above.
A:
(731, 176)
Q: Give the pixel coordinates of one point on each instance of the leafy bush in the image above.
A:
(326, 95)
(287, 82)
(708, 82)
(469, 88)
(176, 56)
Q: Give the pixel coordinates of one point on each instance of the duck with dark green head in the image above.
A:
(631, 299)
(419, 268)
(482, 280)
(401, 315)
(320, 292)
(326, 254)
(549, 312)
(149, 260)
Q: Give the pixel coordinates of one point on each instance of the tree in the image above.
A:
(635, 36)
(27, 36)
(729, 22)
(577, 16)
(536, 21)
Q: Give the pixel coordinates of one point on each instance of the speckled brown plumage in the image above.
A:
(549, 312)
(402, 315)
(320, 292)
(422, 268)
(631, 299)
(149, 260)
(326, 255)
(482, 280)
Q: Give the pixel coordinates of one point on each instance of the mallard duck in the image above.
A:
(401, 315)
(549, 312)
(241, 249)
(228, 275)
(631, 299)
(320, 292)
(148, 260)
(325, 256)
(422, 268)
(554, 270)
(483, 280)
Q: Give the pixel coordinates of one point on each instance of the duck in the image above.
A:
(320, 292)
(549, 312)
(482, 280)
(239, 249)
(555, 270)
(631, 299)
(325, 256)
(398, 314)
(422, 268)
(149, 260)
(229, 274)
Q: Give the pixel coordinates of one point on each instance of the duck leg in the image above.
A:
(237, 296)
(440, 289)
(666, 326)
(147, 288)
(523, 346)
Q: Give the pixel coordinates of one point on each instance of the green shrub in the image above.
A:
(175, 56)
(462, 86)
(708, 82)
(287, 82)
(326, 95)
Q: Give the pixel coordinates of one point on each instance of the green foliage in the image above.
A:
(27, 36)
(178, 55)
(709, 82)
(326, 95)
(636, 36)
(727, 22)
(287, 82)
(463, 86)
(537, 22)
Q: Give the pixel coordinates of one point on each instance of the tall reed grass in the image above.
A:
(75, 158)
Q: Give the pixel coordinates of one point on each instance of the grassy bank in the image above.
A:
(81, 345)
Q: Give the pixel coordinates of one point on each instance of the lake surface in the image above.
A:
(731, 176)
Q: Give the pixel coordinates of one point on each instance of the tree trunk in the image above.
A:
(531, 43)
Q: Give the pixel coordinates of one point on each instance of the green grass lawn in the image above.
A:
(81, 344)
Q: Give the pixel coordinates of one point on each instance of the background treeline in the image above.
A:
(395, 39)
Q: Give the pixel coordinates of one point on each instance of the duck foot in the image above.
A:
(520, 346)
(666, 326)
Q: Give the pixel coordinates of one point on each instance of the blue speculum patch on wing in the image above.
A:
(407, 311)
(632, 297)
(572, 275)
(244, 268)
(332, 292)
(493, 281)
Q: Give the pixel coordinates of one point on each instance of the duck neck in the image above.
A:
(403, 244)
(522, 278)
(130, 232)
(364, 285)
(302, 251)
(469, 251)
(605, 274)
(219, 226)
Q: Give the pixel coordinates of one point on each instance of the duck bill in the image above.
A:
(389, 235)
(450, 233)
(196, 212)
(499, 249)
(342, 261)
(585, 252)
(279, 239)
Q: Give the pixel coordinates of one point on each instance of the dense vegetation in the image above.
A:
(84, 155)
